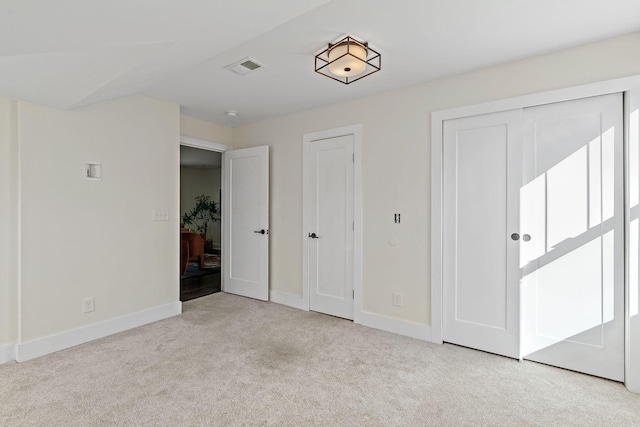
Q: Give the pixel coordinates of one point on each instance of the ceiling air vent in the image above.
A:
(244, 66)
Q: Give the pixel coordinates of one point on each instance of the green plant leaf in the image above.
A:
(204, 212)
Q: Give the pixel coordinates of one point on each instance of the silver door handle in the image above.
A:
(314, 236)
(525, 237)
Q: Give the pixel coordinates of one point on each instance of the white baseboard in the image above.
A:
(7, 353)
(41, 346)
(376, 321)
(286, 298)
(396, 326)
(633, 388)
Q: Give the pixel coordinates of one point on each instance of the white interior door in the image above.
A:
(572, 291)
(331, 227)
(482, 157)
(246, 222)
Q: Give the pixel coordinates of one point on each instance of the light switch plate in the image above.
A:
(160, 214)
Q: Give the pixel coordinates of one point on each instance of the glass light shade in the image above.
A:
(349, 65)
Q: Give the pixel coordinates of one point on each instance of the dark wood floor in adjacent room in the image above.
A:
(199, 286)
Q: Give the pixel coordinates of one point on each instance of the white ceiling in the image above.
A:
(70, 53)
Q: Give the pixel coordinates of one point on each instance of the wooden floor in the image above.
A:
(199, 286)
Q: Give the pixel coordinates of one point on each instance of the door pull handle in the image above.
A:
(314, 236)
(525, 237)
(263, 231)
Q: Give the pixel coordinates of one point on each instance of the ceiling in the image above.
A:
(71, 53)
(199, 159)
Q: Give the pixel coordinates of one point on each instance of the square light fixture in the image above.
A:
(348, 60)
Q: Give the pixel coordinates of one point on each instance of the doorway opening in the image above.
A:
(200, 218)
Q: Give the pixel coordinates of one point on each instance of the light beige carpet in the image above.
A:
(229, 360)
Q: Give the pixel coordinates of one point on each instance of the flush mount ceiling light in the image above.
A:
(348, 60)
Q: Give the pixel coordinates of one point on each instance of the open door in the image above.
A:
(246, 222)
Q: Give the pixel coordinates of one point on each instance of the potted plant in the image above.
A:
(204, 212)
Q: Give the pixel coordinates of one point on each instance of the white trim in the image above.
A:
(437, 119)
(436, 229)
(41, 346)
(396, 326)
(370, 320)
(305, 222)
(542, 98)
(18, 212)
(204, 144)
(7, 353)
(356, 131)
(357, 217)
(630, 350)
(285, 298)
(628, 377)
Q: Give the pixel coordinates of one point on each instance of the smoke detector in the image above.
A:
(244, 66)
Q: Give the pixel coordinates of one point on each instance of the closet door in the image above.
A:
(482, 179)
(571, 210)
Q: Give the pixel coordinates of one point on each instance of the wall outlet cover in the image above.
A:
(397, 299)
(88, 305)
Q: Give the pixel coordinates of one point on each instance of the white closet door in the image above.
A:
(331, 226)
(572, 290)
(482, 177)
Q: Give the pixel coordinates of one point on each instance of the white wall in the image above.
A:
(195, 182)
(8, 209)
(80, 238)
(207, 131)
(396, 158)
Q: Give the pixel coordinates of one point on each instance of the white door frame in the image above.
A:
(437, 238)
(188, 141)
(308, 138)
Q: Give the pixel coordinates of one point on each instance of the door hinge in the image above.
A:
(353, 157)
(353, 294)
(353, 226)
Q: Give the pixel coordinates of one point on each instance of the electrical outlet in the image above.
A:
(397, 299)
(88, 305)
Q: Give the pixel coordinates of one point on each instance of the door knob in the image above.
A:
(515, 236)
(526, 237)
(313, 235)
(263, 231)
